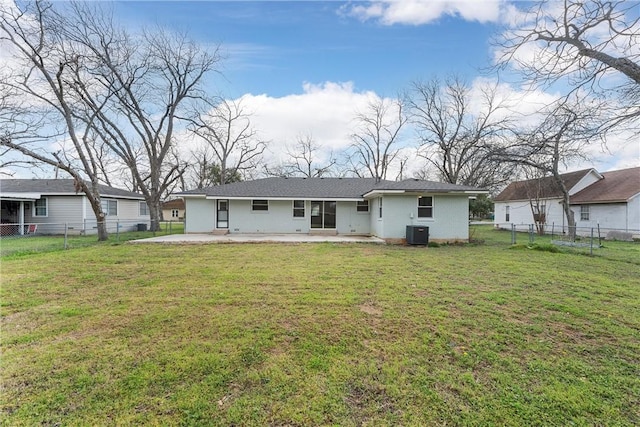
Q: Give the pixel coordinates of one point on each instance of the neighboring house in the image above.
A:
(52, 203)
(332, 205)
(609, 199)
(173, 210)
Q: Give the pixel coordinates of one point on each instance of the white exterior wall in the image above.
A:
(376, 223)
(586, 181)
(450, 216)
(618, 216)
(633, 209)
(60, 210)
(200, 215)
(127, 219)
(520, 213)
(77, 214)
(279, 218)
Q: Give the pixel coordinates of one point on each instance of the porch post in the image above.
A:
(21, 218)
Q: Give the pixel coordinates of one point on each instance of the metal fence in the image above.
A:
(609, 242)
(42, 237)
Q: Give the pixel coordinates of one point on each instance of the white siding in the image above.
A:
(618, 216)
(450, 216)
(61, 210)
(586, 181)
(520, 213)
(200, 215)
(633, 209)
(76, 214)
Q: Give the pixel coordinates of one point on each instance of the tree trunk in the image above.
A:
(101, 222)
(155, 212)
(571, 220)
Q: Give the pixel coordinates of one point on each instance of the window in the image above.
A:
(362, 206)
(380, 207)
(584, 213)
(110, 207)
(175, 213)
(298, 208)
(425, 207)
(40, 207)
(144, 209)
(259, 205)
(506, 215)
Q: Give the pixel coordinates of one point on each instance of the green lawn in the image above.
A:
(29, 244)
(319, 334)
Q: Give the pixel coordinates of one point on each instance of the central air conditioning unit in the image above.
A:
(417, 235)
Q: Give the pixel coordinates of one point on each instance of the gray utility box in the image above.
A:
(142, 227)
(417, 235)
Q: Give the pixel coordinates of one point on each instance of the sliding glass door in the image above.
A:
(323, 214)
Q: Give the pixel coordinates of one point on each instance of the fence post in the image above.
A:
(117, 230)
(66, 227)
(530, 233)
(599, 237)
(591, 245)
(170, 226)
(513, 234)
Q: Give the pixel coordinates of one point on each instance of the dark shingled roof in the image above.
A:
(58, 187)
(335, 188)
(617, 186)
(544, 188)
(173, 204)
(421, 185)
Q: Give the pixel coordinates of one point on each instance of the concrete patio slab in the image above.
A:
(256, 238)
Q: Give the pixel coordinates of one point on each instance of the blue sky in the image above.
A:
(306, 68)
(274, 47)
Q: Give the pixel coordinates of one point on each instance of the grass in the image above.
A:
(30, 244)
(319, 334)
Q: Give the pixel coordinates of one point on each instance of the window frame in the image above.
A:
(380, 207)
(46, 207)
(362, 206)
(507, 213)
(296, 210)
(146, 209)
(422, 208)
(107, 211)
(585, 213)
(175, 213)
(259, 207)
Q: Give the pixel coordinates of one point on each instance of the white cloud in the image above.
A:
(324, 111)
(419, 12)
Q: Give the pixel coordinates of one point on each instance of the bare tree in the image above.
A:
(226, 129)
(134, 90)
(460, 143)
(303, 159)
(376, 142)
(44, 82)
(592, 45)
(125, 93)
(561, 137)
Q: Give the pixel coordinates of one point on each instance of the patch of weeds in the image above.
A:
(433, 245)
(545, 247)
(542, 247)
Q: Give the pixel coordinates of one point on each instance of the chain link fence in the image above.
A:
(44, 237)
(620, 244)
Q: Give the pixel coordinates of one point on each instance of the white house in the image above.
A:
(610, 200)
(359, 206)
(48, 204)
